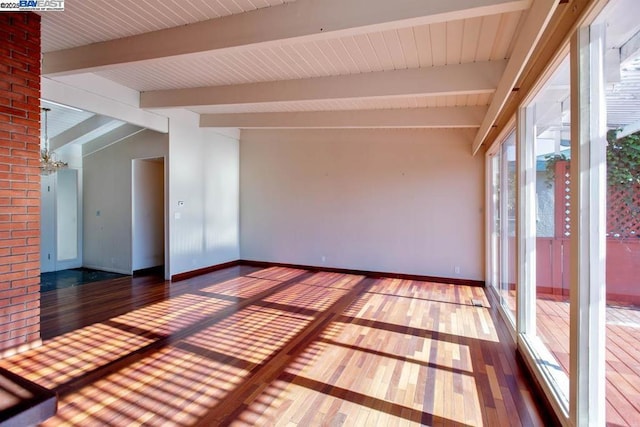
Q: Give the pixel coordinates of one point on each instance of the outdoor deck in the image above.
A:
(623, 355)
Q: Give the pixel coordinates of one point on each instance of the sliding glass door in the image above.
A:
(502, 222)
(564, 222)
(614, 59)
(546, 167)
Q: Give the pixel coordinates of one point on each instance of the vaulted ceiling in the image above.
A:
(305, 63)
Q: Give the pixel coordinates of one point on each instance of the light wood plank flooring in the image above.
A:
(277, 346)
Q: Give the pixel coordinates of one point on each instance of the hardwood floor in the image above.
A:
(277, 346)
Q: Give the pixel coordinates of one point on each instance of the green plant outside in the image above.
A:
(623, 160)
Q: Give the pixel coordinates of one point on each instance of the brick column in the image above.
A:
(19, 181)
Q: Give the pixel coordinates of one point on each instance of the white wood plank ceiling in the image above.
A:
(470, 40)
(61, 118)
(280, 57)
(66, 125)
(85, 22)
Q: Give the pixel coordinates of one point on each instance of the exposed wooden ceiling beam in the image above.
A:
(536, 21)
(473, 78)
(66, 94)
(631, 48)
(74, 133)
(628, 130)
(296, 21)
(110, 138)
(447, 117)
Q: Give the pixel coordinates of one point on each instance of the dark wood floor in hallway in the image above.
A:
(278, 346)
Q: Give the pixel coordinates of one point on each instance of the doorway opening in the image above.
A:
(148, 216)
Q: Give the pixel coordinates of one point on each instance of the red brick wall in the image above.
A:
(19, 181)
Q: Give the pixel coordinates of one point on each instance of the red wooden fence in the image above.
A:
(623, 244)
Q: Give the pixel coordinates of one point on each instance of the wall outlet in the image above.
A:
(456, 269)
(324, 259)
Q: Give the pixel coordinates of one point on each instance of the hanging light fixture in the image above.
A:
(49, 162)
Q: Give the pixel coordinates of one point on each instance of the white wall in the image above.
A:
(148, 213)
(204, 194)
(107, 180)
(407, 201)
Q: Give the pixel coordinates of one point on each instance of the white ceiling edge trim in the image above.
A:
(445, 117)
(296, 21)
(64, 93)
(536, 22)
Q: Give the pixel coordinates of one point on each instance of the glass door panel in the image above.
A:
(548, 337)
(494, 225)
(622, 232)
(508, 232)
